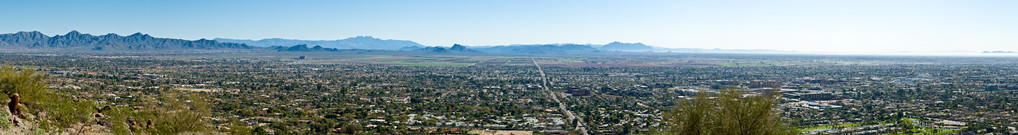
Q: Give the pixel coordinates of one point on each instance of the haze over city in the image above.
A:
(836, 27)
(512, 67)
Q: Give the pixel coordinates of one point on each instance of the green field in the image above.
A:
(918, 130)
(427, 63)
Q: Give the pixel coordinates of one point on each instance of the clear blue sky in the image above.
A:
(806, 25)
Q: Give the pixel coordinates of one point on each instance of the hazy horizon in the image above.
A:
(521, 67)
(856, 27)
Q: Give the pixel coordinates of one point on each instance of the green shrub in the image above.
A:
(172, 112)
(729, 113)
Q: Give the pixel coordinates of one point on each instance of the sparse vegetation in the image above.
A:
(172, 111)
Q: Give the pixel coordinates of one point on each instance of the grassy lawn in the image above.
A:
(828, 126)
(947, 131)
(842, 125)
(928, 130)
(920, 130)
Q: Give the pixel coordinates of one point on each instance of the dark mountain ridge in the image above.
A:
(359, 42)
(75, 40)
(626, 46)
(303, 48)
(456, 48)
(539, 49)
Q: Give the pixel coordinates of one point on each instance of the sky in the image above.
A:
(846, 26)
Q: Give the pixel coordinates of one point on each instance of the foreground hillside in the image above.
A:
(35, 108)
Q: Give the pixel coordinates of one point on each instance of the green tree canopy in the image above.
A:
(23, 81)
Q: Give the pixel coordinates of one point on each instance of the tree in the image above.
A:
(60, 111)
(729, 113)
(178, 112)
(239, 128)
(24, 81)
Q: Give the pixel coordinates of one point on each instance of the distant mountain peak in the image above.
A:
(626, 46)
(304, 48)
(364, 37)
(29, 33)
(622, 43)
(456, 48)
(74, 32)
(137, 34)
(110, 35)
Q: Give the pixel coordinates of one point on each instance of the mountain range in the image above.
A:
(359, 42)
(75, 40)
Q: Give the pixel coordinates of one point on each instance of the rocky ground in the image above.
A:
(25, 125)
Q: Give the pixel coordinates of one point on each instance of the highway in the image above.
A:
(569, 114)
